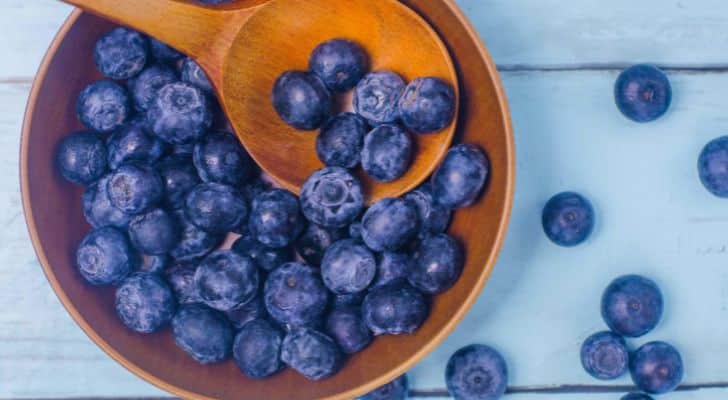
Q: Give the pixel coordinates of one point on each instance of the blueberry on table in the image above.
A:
(643, 93)
(295, 295)
(105, 257)
(332, 197)
(347, 328)
(275, 219)
(226, 280)
(134, 188)
(194, 242)
(348, 267)
(154, 264)
(376, 97)
(219, 157)
(302, 100)
(389, 224)
(257, 349)
(340, 141)
(145, 86)
(179, 176)
(132, 143)
(154, 232)
(427, 105)
(632, 305)
(476, 372)
(193, 74)
(347, 300)
(314, 241)
(433, 217)
(604, 355)
(215, 208)
(656, 368)
(438, 263)
(163, 53)
(395, 390)
(636, 396)
(340, 63)
(97, 207)
(203, 333)
(460, 178)
(311, 353)
(121, 53)
(568, 219)
(252, 310)
(181, 279)
(392, 267)
(387, 153)
(180, 113)
(394, 309)
(713, 166)
(145, 303)
(103, 106)
(81, 157)
(266, 258)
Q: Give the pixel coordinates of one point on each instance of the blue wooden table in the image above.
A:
(558, 60)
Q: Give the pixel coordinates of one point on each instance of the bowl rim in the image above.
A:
(430, 345)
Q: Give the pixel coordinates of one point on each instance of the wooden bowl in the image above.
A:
(56, 225)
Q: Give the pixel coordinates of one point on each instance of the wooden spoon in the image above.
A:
(245, 45)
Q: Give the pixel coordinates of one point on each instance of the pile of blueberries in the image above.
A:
(382, 100)
(308, 281)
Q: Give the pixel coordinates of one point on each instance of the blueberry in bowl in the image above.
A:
(340, 141)
(106, 257)
(389, 224)
(134, 188)
(346, 326)
(180, 113)
(314, 241)
(98, 209)
(376, 97)
(348, 267)
(257, 349)
(275, 218)
(394, 309)
(121, 53)
(226, 280)
(192, 73)
(132, 143)
(181, 279)
(203, 333)
(215, 208)
(103, 106)
(295, 295)
(437, 264)
(461, 176)
(311, 353)
(179, 177)
(266, 258)
(427, 105)
(194, 242)
(332, 197)
(81, 157)
(145, 303)
(219, 157)
(302, 100)
(387, 153)
(340, 63)
(155, 232)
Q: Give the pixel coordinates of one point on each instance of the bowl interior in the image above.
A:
(56, 225)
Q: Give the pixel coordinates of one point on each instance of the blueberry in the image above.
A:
(713, 166)
(347, 300)
(194, 243)
(226, 280)
(302, 100)
(132, 143)
(347, 328)
(461, 176)
(332, 197)
(340, 141)
(395, 390)
(394, 309)
(154, 232)
(389, 224)
(311, 353)
(81, 157)
(146, 85)
(121, 53)
(294, 295)
(656, 368)
(427, 105)
(434, 218)
(643, 93)
(266, 258)
(568, 219)
(387, 153)
(193, 74)
(97, 207)
(202, 333)
(355, 231)
(636, 396)
(376, 97)
(145, 303)
(604, 355)
(340, 63)
(632, 305)
(105, 257)
(134, 188)
(219, 157)
(255, 187)
(314, 241)
(348, 267)
(179, 176)
(393, 267)
(215, 208)
(257, 349)
(242, 314)
(181, 278)
(275, 219)
(103, 106)
(180, 113)
(162, 52)
(153, 264)
(476, 372)
(438, 263)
